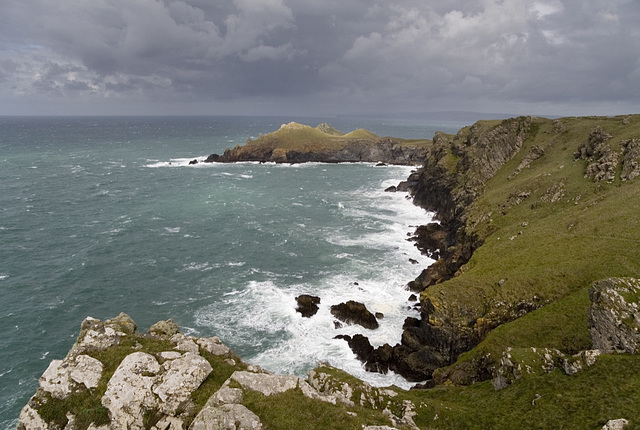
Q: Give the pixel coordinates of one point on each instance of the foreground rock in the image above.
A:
(115, 378)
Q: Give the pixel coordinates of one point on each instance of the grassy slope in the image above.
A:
(549, 249)
(304, 138)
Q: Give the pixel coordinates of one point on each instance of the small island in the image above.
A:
(299, 143)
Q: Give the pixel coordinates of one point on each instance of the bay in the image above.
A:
(102, 215)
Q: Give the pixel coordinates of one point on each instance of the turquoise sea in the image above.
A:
(102, 215)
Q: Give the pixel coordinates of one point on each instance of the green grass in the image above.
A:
(542, 249)
(292, 410)
(607, 390)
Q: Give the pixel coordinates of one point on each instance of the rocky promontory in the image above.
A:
(299, 143)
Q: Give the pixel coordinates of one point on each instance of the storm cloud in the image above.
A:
(549, 56)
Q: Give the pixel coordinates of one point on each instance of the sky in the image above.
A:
(311, 57)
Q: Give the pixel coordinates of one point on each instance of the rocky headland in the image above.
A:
(529, 318)
(299, 143)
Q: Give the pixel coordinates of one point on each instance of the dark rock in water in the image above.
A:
(353, 312)
(337, 325)
(413, 298)
(412, 261)
(379, 315)
(307, 305)
(213, 158)
(194, 161)
(381, 164)
(391, 189)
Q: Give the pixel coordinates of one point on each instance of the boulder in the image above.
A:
(619, 424)
(307, 305)
(164, 328)
(226, 417)
(213, 345)
(353, 312)
(129, 391)
(183, 376)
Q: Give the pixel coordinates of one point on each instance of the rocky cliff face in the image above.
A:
(385, 150)
(453, 176)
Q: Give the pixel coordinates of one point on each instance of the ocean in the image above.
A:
(102, 215)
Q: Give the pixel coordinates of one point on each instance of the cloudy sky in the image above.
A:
(555, 57)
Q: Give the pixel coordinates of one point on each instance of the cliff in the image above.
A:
(532, 211)
(298, 143)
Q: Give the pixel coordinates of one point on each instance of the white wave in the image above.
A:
(3, 277)
(172, 229)
(179, 162)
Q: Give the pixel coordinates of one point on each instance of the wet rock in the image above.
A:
(307, 305)
(391, 189)
(353, 312)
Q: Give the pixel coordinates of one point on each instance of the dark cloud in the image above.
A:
(361, 55)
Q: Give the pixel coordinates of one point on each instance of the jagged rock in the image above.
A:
(164, 328)
(630, 159)
(192, 162)
(184, 343)
(307, 305)
(534, 153)
(61, 376)
(31, 419)
(353, 312)
(213, 345)
(123, 323)
(614, 315)
(129, 391)
(602, 161)
(226, 417)
(618, 424)
(183, 376)
(266, 383)
(168, 423)
(391, 189)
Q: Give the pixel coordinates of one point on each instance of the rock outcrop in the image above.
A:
(614, 316)
(116, 378)
(307, 305)
(352, 312)
(298, 143)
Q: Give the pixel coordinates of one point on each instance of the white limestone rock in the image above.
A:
(226, 417)
(184, 343)
(618, 424)
(30, 419)
(129, 392)
(213, 345)
(266, 383)
(183, 376)
(87, 371)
